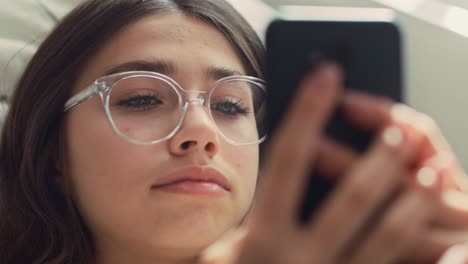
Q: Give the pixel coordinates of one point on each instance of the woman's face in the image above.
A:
(112, 181)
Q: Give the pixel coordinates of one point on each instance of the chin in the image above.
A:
(188, 243)
(189, 226)
(196, 232)
(192, 233)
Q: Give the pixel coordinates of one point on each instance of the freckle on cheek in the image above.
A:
(124, 129)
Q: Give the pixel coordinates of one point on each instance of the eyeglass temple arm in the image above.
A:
(80, 97)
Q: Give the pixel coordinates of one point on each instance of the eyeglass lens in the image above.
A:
(147, 109)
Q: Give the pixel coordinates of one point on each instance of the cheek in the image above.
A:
(110, 182)
(107, 174)
(245, 161)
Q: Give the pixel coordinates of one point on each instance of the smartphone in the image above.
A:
(368, 48)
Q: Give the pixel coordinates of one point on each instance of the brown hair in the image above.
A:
(38, 224)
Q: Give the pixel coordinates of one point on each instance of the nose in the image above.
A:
(197, 134)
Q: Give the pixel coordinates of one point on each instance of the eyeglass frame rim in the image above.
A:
(103, 85)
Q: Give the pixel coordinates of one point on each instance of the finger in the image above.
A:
(434, 244)
(457, 254)
(450, 206)
(371, 112)
(368, 112)
(295, 145)
(451, 210)
(226, 250)
(450, 171)
(400, 229)
(334, 159)
(368, 185)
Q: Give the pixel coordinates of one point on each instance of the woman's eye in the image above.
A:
(141, 102)
(230, 108)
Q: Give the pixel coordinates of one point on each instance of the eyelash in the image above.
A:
(229, 108)
(231, 102)
(135, 102)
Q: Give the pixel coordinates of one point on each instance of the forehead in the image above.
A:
(192, 45)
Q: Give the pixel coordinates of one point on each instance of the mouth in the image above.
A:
(194, 180)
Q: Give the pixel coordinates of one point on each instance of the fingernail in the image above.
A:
(457, 254)
(319, 90)
(327, 75)
(442, 165)
(401, 112)
(333, 73)
(455, 199)
(393, 136)
(429, 178)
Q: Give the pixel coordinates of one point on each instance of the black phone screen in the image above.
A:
(370, 55)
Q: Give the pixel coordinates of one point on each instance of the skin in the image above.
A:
(110, 179)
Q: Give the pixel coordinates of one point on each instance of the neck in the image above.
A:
(127, 256)
(142, 260)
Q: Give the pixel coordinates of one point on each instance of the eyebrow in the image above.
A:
(160, 66)
(168, 68)
(221, 72)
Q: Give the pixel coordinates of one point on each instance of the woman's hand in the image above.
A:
(369, 182)
(436, 164)
(449, 221)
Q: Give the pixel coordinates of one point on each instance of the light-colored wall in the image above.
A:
(436, 68)
(257, 13)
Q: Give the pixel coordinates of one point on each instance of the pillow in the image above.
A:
(23, 24)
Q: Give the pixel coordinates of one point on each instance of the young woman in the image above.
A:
(133, 137)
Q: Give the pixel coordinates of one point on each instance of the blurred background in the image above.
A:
(435, 43)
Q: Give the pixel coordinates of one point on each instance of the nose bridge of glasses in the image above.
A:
(201, 114)
(193, 102)
(199, 100)
(193, 97)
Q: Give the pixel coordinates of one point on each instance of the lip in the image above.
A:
(195, 180)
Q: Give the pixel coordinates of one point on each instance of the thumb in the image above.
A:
(457, 254)
(226, 250)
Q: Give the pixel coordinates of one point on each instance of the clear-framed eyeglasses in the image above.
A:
(148, 107)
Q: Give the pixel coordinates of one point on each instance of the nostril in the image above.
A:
(210, 147)
(186, 145)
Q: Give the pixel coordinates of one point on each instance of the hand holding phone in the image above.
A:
(272, 232)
